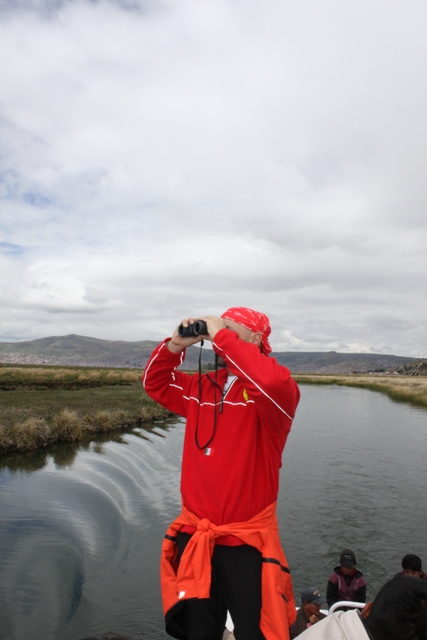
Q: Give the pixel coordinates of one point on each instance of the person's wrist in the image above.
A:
(173, 347)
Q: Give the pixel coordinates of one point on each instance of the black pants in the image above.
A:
(236, 586)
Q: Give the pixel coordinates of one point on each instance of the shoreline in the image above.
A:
(67, 426)
(409, 389)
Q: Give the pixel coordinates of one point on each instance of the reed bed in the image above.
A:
(68, 426)
(42, 406)
(412, 390)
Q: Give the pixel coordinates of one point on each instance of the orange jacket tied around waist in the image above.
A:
(192, 578)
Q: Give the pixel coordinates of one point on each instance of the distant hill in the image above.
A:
(73, 350)
(417, 368)
(82, 351)
(333, 362)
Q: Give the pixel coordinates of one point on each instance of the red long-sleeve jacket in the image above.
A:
(232, 474)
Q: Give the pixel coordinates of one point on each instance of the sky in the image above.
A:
(161, 159)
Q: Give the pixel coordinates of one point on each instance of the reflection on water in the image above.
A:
(81, 524)
(80, 531)
(64, 455)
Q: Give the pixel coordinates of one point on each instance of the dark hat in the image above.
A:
(347, 558)
(312, 595)
(411, 562)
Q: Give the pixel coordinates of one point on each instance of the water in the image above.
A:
(353, 476)
(81, 526)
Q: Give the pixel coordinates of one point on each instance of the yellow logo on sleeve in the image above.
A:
(245, 395)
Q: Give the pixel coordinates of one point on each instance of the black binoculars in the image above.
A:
(198, 328)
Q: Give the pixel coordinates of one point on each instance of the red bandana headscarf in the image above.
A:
(252, 320)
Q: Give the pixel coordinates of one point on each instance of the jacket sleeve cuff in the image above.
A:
(174, 358)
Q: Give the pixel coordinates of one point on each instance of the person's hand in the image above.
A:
(214, 325)
(313, 619)
(177, 343)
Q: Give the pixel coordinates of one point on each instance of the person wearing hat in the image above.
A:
(223, 551)
(398, 612)
(309, 612)
(346, 582)
(412, 566)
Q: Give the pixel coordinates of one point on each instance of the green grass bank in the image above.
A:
(40, 406)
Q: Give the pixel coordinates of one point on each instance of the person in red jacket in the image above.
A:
(223, 551)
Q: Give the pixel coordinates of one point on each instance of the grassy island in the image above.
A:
(44, 405)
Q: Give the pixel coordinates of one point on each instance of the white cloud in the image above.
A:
(169, 158)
